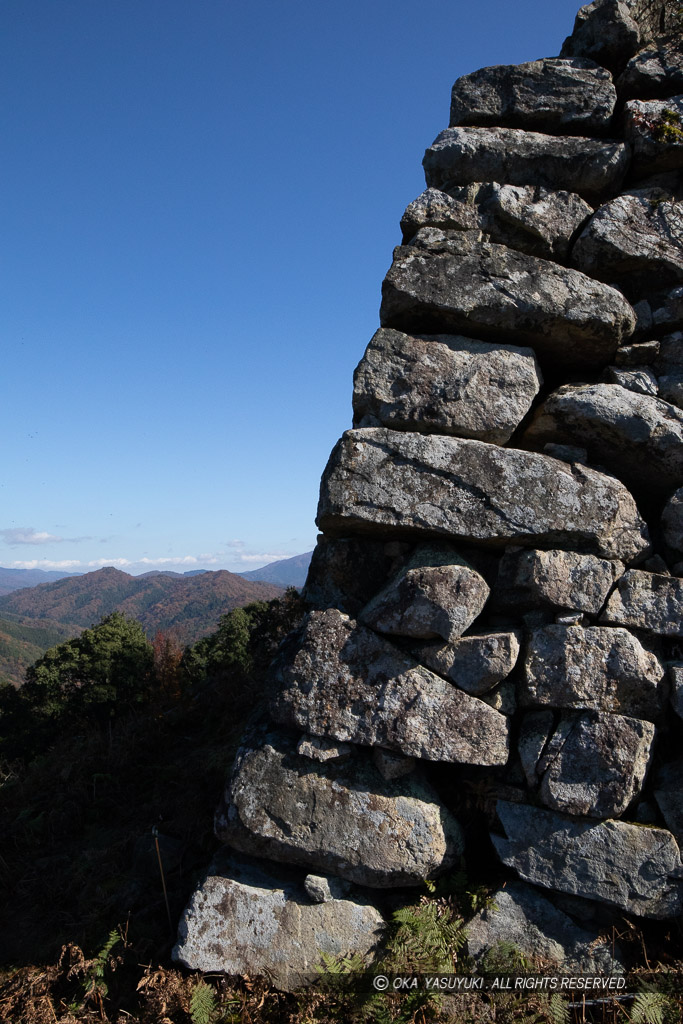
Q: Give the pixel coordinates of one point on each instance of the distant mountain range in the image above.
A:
(290, 572)
(15, 579)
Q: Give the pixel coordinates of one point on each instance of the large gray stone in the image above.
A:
(558, 96)
(427, 601)
(635, 240)
(597, 669)
(632, 867)
(340, 818)
(648, 601)
(511, 156)
(390, 482)
(252, 919)
(654, 73)
(595, 764)
(605, 32)
(535, 220)
(338, 679)
(672, 520)
(444, 384)
(561, 579)
(474, 663)
(654, 129)
(520, 914)
(638, 437)
(447, 281)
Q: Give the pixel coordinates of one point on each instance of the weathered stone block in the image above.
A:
(637, 437)
(538, 221)
(398, 483)
(561, 579)
(553, 95)
(430, 600)
(605, 32)
(341, 680)
(635, 868)
(259, 920)
(590, 167)
(597, 669)
(635, 241)
(449, 282)
(444, 384)
(648, 601)
(341, 818)
(474, 663)
(595, 764)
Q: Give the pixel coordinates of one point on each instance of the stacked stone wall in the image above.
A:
(496, 599)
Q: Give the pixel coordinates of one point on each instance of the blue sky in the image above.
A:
(199, 202)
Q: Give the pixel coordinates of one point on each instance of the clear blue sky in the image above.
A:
(199, 202)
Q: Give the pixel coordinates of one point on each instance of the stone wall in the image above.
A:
(497, 595)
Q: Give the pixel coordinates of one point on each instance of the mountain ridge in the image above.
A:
(188, 606)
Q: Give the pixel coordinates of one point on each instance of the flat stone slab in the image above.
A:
(595, 764)
(444, 384)
(427, 601)
(560, 579)
(555, 95)
(341, 818)
(635, 240)
(511, 156)
(474, 663)
(258, 919)
(341, 680)
(538, 221)
(387, 481)
(522, 915)
(597, 669)
(451, 282)
(632, 867)
(637, 437)
(648, 601)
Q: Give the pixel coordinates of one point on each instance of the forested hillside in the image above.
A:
(189, 606)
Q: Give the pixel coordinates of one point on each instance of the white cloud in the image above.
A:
(28, 535)
(44, 563)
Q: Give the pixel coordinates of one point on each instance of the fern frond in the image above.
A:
(202, 1004)
(649, 1008)
(558, 1009)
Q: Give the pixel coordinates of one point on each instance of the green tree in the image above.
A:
(103, 671)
